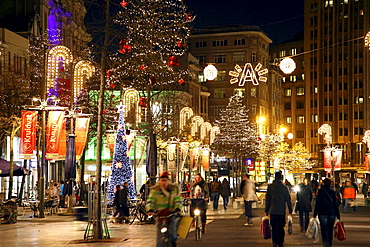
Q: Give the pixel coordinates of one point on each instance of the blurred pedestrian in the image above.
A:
(215, 192)
(248, 191)
(277, 198)
(365, 191)
(225, 192)
(61, 195)
(327, 209)
(145, 190)
(288, 184)
(349, 196)
(304, 198)
(314, 184)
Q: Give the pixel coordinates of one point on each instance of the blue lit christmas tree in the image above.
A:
(121, 168)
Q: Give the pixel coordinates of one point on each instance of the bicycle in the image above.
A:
(198, 205)
(163, 221)
(5, 214)
(138, 211)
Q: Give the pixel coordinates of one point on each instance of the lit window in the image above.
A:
(253, 92)
(201, 77)
(219, 93)
(300, 119)
(284, 79)
(288, 92)
(253, 57)
(302, 77)
(282, 53)
(254, 109)
(221, 76)
(288, 120)
(300, 90)
(293, 51)
(239, 92)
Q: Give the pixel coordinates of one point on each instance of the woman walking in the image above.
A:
(225, 192)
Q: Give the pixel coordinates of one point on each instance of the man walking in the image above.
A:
(215, 192)
(248, 191)
(277, 197)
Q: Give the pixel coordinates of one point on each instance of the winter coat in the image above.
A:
(304, 198)
(277, 198)
(215, 187)
(121, 197)
(160, 198)
(326, 203)
(349, 192)
(248, 190)
(202, 185)
(365, 189)
(225, 189)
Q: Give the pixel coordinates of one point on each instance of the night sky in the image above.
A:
(281, 20)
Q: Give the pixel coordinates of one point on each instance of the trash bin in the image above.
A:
(12, 218)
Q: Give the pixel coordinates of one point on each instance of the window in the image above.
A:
(343, 131)
(328, 117)
(343, 86)
(300, 134)
(359, 115)
(328, 102)
(342, 101)
(201, 59)
(288, 92)
(300, 90)
(200, 44)
(314, 89)
(359, 100)
(238, 57)
(287, 106)
(253, 57)
(302, 77)
(239, 41)
(220, 58)
(313, 134)
(358, 84)
(219, 93)
(300, 105)
(293, 78)
(254, 109)
(343, 116)
(253, 92)
(313, 103)
(220, 43)
(288, 120)
(221, 76)
(201, 77)
(239, 92)
(300, 119)
(218, 109)
(329, 3)
(293, 51)
(282, 53)
(314, 118)
(328, 87)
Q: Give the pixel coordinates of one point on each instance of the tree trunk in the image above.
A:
(97, 224)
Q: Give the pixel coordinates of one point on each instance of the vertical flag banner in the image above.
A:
(366, 162)
(81, 130)
(337, 159)
(53, 133)
(171, 157)
(28, 134)
(194, 155)
(327, 161)
(62, 147)
(205, 159)
(184, 149)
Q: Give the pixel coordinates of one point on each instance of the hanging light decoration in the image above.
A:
(287, 65)
(210, 72)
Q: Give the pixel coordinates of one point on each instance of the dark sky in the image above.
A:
(281, 20)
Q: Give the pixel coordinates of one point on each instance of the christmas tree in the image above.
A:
(121, 169)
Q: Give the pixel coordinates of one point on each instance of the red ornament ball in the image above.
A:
(182, 82)
(124, 3)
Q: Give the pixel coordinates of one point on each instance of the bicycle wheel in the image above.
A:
(198, 228)
(133, 215)
(5, 215)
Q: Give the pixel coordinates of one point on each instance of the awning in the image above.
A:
(5, 169)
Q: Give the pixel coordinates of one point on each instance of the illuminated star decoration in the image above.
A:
(120, 107)
(248, 74)
(119, 165)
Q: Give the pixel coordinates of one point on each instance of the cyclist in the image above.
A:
(164, 199)
(199, 194)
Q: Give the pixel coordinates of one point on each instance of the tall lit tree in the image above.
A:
(238, 136)
(149, 50)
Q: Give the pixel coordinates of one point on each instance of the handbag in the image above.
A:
(340, 232)
(290, 224)
(265, 227)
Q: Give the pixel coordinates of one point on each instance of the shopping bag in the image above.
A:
(184, 226)
(340, 232)
(313, 231)
(290, 224)
(265, 227)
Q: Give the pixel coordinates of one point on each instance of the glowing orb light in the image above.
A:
(210, 72)
(287, 65)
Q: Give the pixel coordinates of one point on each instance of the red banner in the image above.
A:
(337, 159)
(366, 162)
(28, 134)
(327, 161)
(81, 130)
(54, 131)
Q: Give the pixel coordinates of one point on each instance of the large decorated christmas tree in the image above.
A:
(121, 168)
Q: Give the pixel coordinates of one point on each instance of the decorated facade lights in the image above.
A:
(248, 74)
(366, 140)
(82, 72)
(210, 72)
(287, 65)
(186, 113)
(367, 40)
(332, 155)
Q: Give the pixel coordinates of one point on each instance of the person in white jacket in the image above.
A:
(248, 191)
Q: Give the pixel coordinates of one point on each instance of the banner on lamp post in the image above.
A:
(205, 159)
(171, 157)
(327, 160)
(54, 132)
(366, 162)
(184, 148)
(194, 155)
(81, 130)
(337, 159)
(28, 134)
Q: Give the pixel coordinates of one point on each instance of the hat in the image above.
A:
(165, 175)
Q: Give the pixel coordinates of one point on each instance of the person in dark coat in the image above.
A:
(225, 192)
(304, 198)
(121, 201)
(327, 209)
(277, 198)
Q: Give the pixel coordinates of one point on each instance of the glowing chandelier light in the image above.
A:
(210, 72)
(248, 74)
(287, 65)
